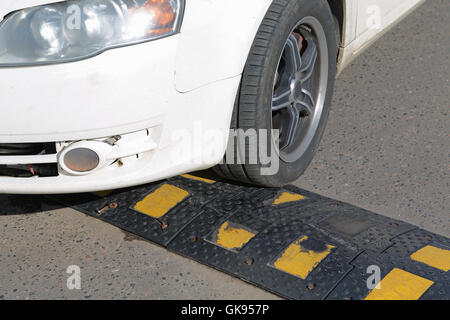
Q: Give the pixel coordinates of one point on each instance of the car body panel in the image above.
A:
(217, 53)
(360, 30)
(91, 98)
(183, 145)
(179, 87)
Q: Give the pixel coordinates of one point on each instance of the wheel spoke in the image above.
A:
(309, 59)
(281, 99)
(292, 56)
(305, 104)
(291, 129)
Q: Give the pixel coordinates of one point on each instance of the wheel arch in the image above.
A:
(338, 11)
(201, 62)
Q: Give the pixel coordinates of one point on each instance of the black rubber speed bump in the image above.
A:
(289, 241)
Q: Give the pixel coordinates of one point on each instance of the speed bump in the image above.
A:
(400, 285)
(289, 241)
(232, 236)
(160, 201)
(192, 177)
(286, 197)
(434, 257)
(299, 259)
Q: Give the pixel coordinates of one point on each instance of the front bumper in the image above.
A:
(119, 92)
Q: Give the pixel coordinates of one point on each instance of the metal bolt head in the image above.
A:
(249, 262)
(396, 225)
(164, 226)
(113, 205)
(334, 205)
(311, 286)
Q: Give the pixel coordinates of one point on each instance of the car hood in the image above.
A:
(7, 6)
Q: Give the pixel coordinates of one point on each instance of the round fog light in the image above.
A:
(81, 160)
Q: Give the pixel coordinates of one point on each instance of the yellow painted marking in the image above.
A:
(160, 201)
(102, 193)
(400, 285)
(189, 176)
(299, 261)
(434, 257)
(288, 197)
(233, 238)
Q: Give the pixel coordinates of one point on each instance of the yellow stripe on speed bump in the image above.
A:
(191, 177)
(233, 237)
(286, 197)
(433, 257)
(160, 201)
(300, 261)
(400, 285)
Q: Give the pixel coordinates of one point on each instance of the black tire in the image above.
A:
(253, 107)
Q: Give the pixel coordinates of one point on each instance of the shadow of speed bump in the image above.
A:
(302, 257)
(400, 285)
(434, 257)
(286, 197)
(160, 201)
(102, 194)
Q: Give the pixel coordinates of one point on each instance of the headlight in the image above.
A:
(77, 29)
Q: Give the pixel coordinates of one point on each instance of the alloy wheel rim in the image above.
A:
(299, 90)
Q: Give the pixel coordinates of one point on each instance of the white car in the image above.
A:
(104, 94)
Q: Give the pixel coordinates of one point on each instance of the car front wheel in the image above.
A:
(285, 95)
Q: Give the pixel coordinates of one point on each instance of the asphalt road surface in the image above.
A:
(386, 149)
